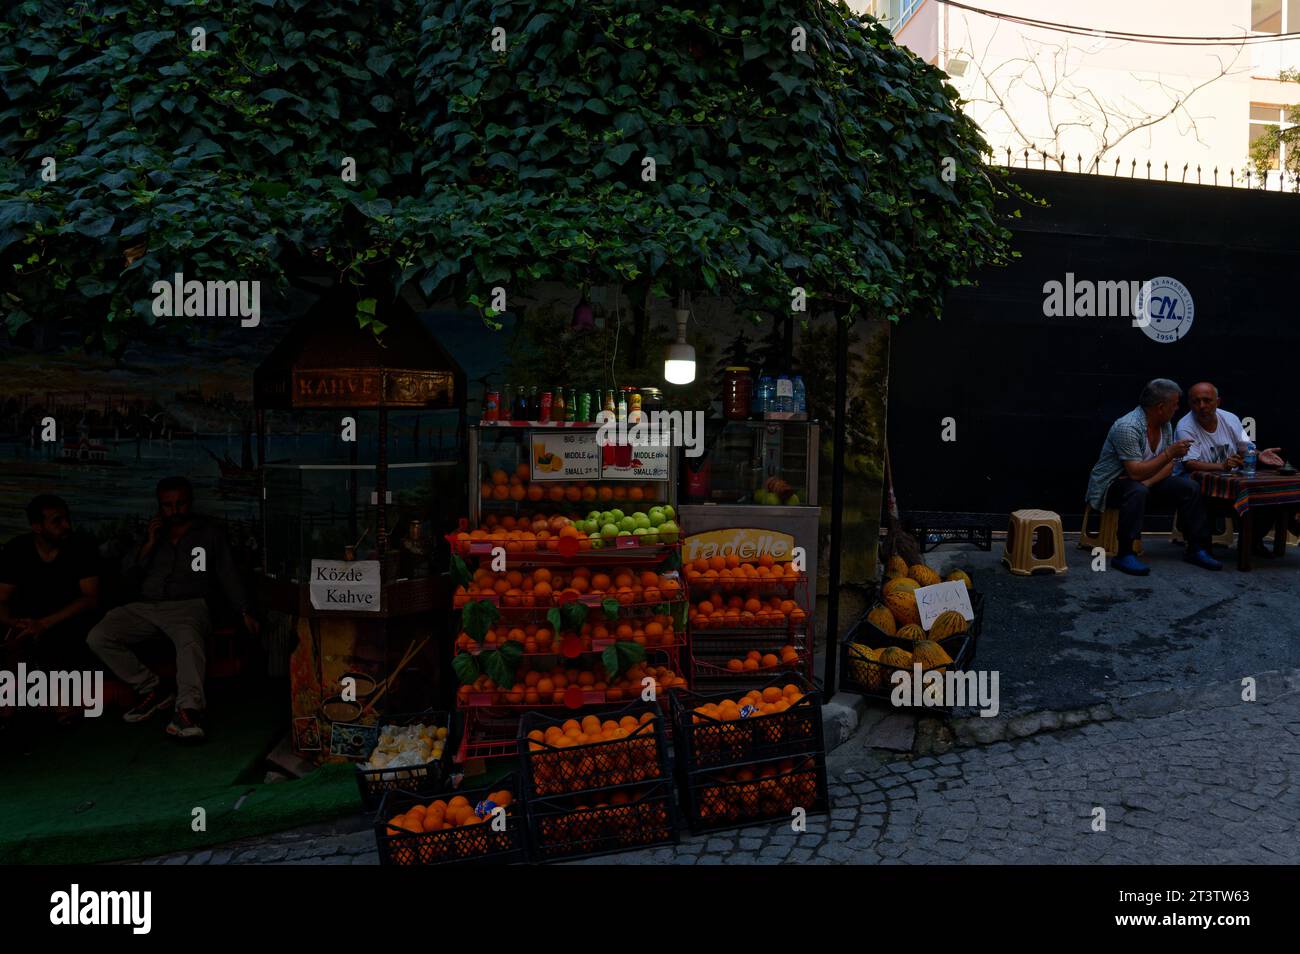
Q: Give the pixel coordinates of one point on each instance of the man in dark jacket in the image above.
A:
(183, 563)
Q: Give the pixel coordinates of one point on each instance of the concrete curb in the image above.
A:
(970, 731)
(841, 715)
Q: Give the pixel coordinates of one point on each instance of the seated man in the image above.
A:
(1218, 443)
(175, 605)
(49, 588)
(1137, 462)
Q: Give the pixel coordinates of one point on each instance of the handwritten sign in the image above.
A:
(346, 587)
(564, 455)
(649, 462)
(933, 600)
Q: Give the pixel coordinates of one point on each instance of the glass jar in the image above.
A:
(737, 391)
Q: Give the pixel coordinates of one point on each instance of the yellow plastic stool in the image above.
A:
(1107, 535)
(1035, 543)
(1223, 538)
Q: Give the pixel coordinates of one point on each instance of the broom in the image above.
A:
(898, 542)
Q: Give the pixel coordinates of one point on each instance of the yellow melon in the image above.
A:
(902, 604)
(930, 655)
(898, 583)
(898, 658)
(897, 567)
(882, 619)
(862, 665)
(911, 631)
(923, 575)
(956, 575)
(949, 623)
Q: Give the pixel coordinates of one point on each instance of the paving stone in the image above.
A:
(202, 858)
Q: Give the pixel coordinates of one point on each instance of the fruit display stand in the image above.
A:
(559, 611)
(743, 759)
(746, 623)
(599, 784)
(414, 829)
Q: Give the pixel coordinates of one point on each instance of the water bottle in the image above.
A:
(784, 398)
(1249, 459)
(800, 395)
(765, 395)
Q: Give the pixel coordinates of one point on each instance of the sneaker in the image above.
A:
(1131, 565)
(186, 724)
(1202, 559)
(147, 703)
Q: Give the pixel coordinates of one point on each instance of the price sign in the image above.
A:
(933, 600)
(649, 462)
(564, 455)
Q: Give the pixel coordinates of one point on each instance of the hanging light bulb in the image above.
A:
(584, 318)
(679, 359)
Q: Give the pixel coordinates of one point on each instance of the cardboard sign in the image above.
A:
(933, 600)
(649, 462)
(564, 455)
(346, 587)
(747, 543)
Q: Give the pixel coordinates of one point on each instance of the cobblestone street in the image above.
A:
(1212, 786)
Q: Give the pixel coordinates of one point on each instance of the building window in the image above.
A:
(895, 13)
(1264, 118)
(1275, 16)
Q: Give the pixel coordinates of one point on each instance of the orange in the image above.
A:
(717, 563)
(599, 582)
(545, 686)
(555, 493)
(572, 494)
(588, 493)
(750, 665)
(500, 477)
(735, 665)
(769, 661)
(500, 492)
(605, 494)
(534, 492)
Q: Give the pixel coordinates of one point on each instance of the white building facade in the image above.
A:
(1098, 98)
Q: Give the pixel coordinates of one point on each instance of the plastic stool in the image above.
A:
(1107, 535)
(1034, 543)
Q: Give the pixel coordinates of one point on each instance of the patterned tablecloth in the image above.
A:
(1262, 490)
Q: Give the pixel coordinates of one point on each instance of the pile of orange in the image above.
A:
(537, 638)
(632, 754)
(731, 570)
(719, 611)
(767, 701)
(785, 656)
(547, 587)
(537, 688)
(763, 790)
(500, 485)
(441, 815)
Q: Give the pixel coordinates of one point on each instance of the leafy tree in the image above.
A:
(1264, 150)
(483, 156)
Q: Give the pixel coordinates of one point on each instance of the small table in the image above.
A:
(1247, 494)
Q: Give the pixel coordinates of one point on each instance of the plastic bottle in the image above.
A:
(519, 407)
(766, 395)
(1249, 460)
(783, 399)
(800, 395)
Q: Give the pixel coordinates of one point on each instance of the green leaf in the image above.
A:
(477, 617)
(610, 606)
(620, 656)
(460, 573)
(574, 614)
(466, 668)
(555, 619)
(497, 667)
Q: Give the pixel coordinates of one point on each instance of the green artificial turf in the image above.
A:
(107, 791)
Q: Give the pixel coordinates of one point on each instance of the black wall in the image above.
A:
(1033, 396)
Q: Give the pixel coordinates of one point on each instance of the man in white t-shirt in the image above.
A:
(1219, 443)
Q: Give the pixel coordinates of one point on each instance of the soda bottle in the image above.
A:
(519, 410)
(534, 404)
(544, 402)
(584, 406)
(492, 405)
(559, 411)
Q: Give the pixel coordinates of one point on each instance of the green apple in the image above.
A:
(626, 524)
(792, 500)
(617, 514)
(609, 531)
(669, 512)
(641, 520)
(593, 516)
(656, 516)
(597, 541)
(668, 532)
(604, 517)
(651, 536)
(640, 532)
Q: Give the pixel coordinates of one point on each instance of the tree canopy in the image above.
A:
(495, 144)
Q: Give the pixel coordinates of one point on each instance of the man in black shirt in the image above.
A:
(49, 588)
(182, 564)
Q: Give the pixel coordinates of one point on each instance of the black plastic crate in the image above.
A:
(470, 844)
(932, 528)
(550, 770)
(874, 679)
(423, 779)
(702, 741)
(580, 826)
(755, 792)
